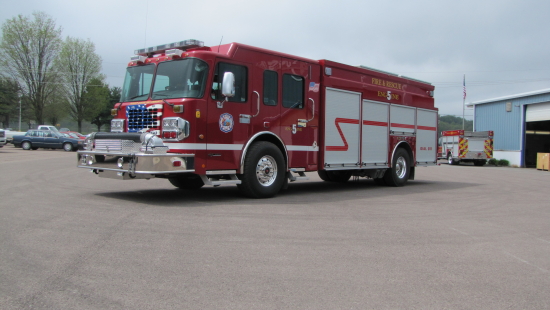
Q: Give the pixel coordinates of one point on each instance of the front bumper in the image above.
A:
(122, 157)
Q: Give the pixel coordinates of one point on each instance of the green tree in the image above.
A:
(55, 110)
(450, 122)
(98, 95)
(78, 64)
(9, 99)
(28, 49)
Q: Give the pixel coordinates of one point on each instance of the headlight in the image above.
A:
(117, 125)
(175, 128)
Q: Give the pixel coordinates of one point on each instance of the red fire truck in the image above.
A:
(465, 146)
(238, 114)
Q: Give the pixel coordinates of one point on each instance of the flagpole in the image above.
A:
(463, 99)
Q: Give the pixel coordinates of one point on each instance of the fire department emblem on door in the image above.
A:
(226, 122)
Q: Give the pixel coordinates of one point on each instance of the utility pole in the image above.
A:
(19, 113)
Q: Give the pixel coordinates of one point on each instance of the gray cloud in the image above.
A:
(501, 46)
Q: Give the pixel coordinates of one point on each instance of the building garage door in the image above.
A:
(538, 112)
(537, 132)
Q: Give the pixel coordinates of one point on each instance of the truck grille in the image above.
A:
(116, 146)
(142, 117)
(108, 145)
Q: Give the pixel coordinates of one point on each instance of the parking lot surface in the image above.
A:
(457, 237)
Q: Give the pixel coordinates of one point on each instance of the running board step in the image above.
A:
(302, 176)
(214, 180)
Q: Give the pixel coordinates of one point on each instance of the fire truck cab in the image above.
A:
(237, 114)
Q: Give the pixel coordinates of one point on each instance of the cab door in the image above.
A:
(228, 121)
(300, 112)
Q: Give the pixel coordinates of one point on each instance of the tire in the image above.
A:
(67, 147)
(480, 162)
(187, 182)
(264, 171)
(400, 169)
(451, 160)
(26, 145)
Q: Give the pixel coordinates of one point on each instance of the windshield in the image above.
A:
(137, 83)
(180, 79)
(174, 79)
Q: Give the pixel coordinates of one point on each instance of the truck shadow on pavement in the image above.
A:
(297, 193)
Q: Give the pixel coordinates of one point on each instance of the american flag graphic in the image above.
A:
(314, 87)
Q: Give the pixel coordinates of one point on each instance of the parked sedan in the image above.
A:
(34, 139)
(74, 134)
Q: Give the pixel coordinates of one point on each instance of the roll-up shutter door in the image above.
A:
(538, 112)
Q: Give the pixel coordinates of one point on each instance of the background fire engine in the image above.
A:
(466, 146)
(237, 114)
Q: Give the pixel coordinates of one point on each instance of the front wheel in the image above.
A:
(68, 147)
(264, 171)
(26, 145)
(400, 169)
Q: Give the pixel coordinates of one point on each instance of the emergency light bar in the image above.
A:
(182, 45)
(138, 59)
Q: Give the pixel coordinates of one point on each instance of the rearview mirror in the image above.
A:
(228, 85)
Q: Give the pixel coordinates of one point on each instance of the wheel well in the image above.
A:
(407, 148)
(268, 137)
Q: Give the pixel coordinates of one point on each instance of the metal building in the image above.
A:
(521, 125)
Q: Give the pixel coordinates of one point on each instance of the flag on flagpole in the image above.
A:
(464, 87)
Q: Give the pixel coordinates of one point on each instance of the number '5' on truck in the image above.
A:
(259, 119)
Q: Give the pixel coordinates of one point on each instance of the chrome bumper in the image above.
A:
(121, 156)
(137, 163)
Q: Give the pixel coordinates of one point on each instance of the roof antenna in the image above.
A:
(220, 44)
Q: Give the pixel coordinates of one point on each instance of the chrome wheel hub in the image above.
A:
(266, 170)
(401, 167)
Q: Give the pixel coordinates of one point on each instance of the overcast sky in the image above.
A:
(502, 46)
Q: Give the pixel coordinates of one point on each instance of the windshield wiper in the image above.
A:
(138, 96)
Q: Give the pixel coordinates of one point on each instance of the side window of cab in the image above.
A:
(241, 82)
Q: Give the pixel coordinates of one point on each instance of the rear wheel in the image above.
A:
(187, 182)
(26, 145)
(400, 169)
(264, 171)
(480, 162)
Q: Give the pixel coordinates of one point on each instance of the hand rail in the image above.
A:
(312, 110)
(258, 94)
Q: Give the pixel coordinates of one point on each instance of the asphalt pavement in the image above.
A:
(457, 237)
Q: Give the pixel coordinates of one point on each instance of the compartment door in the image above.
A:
(342, 130)
(426, 136)
(375, 127)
